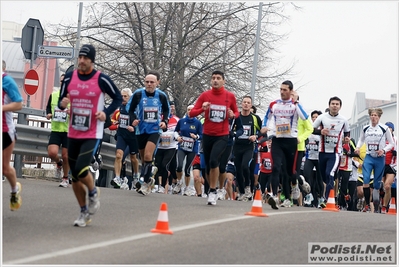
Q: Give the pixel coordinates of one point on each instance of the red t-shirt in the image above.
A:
(216, 116)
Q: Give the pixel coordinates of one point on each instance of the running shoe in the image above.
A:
(286, 204)
(366, 208)
(305, 186)
(383, 210)
(308, 199)
(161, 189)
(125, 185)
(360, 204)
(177, 188)
(83, 219)
(144, 189)
(272, 202)
(16, 200)
(295, 191)
(221, 194)
(212, 197)
(116, 182)
(94, 202)
(248, 195)
(64, 182)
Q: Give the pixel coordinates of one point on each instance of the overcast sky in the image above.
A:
(339, 47)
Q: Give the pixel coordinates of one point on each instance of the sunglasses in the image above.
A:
(149, 82)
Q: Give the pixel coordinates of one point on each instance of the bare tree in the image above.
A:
(185, 42)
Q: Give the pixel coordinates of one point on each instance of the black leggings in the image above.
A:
(224, 159)
(314, 179)
(264, 181)
(284, 151)
(181, 154)
(163, 159)
(242, 161)
(213, 147)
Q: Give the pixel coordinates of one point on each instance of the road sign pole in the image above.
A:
(31, 58)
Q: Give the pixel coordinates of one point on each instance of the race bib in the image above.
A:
(267, 164)
(372, 147)
(283, 127)
(344, 161)
(331, 141)
(217, 113)
(123, 121)
(247, 132)
(60, 115)
(166, 139)
(187, 144)
(151, 114)
(81, 119)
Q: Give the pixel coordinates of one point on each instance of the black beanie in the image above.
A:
(89, 51)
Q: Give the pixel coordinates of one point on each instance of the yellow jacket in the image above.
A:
(305, 128)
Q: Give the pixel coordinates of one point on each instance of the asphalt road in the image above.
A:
(41, 232)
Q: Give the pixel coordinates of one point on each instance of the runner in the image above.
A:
(188, 132)
(125, 138)
(379, 141)
(219, 105)
(149, 108)
(85, 90)
(333, 129)
(281, 123)
(12, 101)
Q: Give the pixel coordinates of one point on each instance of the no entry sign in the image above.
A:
(31, 82)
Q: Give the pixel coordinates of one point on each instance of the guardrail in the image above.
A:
(32, 141)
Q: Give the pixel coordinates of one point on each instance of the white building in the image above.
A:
(360, 117)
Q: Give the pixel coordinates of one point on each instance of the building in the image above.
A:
(47, 68)
(360, 116)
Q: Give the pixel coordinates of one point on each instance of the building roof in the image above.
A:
(13, 56)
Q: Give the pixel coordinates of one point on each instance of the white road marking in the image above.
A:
(135, 237)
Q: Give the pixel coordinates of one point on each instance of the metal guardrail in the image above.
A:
(33, 141)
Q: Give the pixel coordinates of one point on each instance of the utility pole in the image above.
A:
(255, 65)
(77, 44)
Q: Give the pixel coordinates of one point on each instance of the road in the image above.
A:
(42, 232)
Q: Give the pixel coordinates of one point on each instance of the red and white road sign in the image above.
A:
(31, 82)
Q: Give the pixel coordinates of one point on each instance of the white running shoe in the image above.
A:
(83, 219)
(212, 197)
(286, 204)
(177, 188)
(125, 185)
(64, 182)
(221, 194)
(161, 189)
(116, 182)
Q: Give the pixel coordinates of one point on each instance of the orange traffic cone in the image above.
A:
(392, 207)
(257, 206)
(331, 202)
(162, 226)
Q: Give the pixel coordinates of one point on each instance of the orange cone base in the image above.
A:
(331, 209)
(167, 232)
(256, 214)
